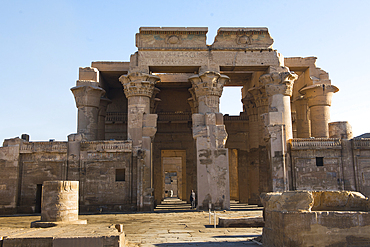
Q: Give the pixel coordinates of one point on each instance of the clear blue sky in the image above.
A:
(42, 44)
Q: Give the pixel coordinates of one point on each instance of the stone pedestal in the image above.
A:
(59, 204)
(210, 135)
(87, 95)
(141, 128)
(319, 100)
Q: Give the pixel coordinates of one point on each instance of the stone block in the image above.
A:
(241, 222)
(210, 118)
(290, 201)
(89, 73)
(198, 120)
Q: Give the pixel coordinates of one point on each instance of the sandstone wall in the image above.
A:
(27, 165)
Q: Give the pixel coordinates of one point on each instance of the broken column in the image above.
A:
(59, 204)
(141, 128)
(87, 94)
(278, 85)
(210, 135)
(319, 101)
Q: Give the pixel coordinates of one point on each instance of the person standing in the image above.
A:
(192, 199)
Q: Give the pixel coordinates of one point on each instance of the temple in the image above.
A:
(150, 128)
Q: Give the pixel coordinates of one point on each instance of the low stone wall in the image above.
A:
(319, 218)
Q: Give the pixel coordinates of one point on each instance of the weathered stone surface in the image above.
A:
(322, 218)
(241, 222)
(165, 101)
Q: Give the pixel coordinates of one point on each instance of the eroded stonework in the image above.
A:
(153, 124)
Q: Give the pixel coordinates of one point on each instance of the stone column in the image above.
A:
(319, 100)
(251, 194)
(59, 204)
(87, 95)
(278, 122)
(141, 128)
(104, 102)
(303, 122)
(278, 86)
(210, 135)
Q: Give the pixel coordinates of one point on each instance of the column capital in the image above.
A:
(250, 104)
(87, 95)
(138, 84)
(259, 96)
(279, 82)
(319, 94)
(209, 83)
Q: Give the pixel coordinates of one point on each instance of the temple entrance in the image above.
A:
(174, 174)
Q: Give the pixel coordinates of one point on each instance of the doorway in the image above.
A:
(170, 184)
(174, 174)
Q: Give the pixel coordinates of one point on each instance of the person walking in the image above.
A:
(192, 199)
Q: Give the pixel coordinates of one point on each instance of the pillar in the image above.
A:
(141, 128)
(87, 94)
(251, 194)
(104, 102)
(210, 135)
(278, 122)
(319, 101)
(303, 122)
(278, 86)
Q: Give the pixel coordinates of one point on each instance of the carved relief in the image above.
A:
(279, 82)
(138, 84)
(173, 39)
(209, 83)
(243, 40)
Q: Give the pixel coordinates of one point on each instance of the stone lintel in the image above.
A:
(103, 66)
(171, 38)
(172, 29)
(107, 146)
(88, 73)
(242, 29)
(240, 37)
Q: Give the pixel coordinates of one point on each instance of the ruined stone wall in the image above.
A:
(345, 164)
(316, 164)
(361, 159)
(9, 160)
(28, 164)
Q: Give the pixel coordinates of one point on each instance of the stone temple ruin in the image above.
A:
(152, 125)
